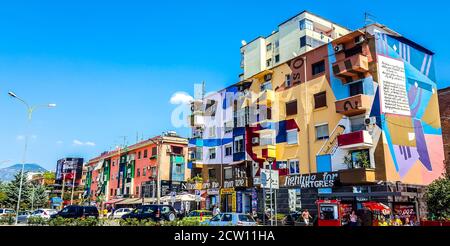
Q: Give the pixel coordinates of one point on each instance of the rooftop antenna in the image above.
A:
(369, 19)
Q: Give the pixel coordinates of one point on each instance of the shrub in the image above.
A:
(37, 221)
(8, 219)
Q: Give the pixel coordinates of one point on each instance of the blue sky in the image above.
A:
(113, 66)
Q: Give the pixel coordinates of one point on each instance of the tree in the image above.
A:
(437, 197)
(3, 195)
(12, 192)
(39, 197)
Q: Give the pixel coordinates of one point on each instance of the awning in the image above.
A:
(113, 201)
(130, 201)
(377, 207)
(237, 163)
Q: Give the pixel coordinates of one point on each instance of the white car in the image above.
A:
(117, 214)
(6, 211)
(44, 213)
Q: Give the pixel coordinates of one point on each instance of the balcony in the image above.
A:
(355, 140)
(354, 66)
(265, 151)
(357, 176)
(354, 105)
(197, 107)
(196, 120)
(266, 97)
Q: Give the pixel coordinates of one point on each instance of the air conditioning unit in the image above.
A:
(359, 39)
(370, 121)
(339, 48)
(255, 140)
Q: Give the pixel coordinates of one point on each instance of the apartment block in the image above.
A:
(297, 35)
(128, 175)
(354, 119)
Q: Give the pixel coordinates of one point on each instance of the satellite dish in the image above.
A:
(244, 43)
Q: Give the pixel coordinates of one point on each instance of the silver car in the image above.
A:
(23, 217)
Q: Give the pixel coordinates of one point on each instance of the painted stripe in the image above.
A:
(429, 66)
(404, 52)
(424, 62)
(400, 50)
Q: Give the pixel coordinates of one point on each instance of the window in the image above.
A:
(212, 153)
(291, 108)
(311, 42)
(266, 86)
(320, 100)
(228, 173)
(277, 58)
(112, 192)
(145, 153)
(137, 190)
(292, 136)
(212, 131)
(322, 132)
(239, 144)
(277, 44)
(318, 67)
(212, 173)
(138, 171)
(357, 123)
(127, 192)
(356, 88)
(361, 159)
(287, 80)
(178, 169)
(228, 150)
(303, 42)
(306, 24)
(294, 167)
(114, 163)
(144, 171)
(154, 151)
(282, 164)
(269, 62)
(139, 155)
(177, 150)
(269, 47)
(266, 139)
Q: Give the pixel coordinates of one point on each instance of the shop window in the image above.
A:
(318, 67)
(320, 100)
(294, 167)
(322, 132)
(291, 108)
(292, 136)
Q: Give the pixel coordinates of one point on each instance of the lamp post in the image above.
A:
(271, 160)
(30, 111)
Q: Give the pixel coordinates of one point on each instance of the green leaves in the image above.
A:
(437, 197)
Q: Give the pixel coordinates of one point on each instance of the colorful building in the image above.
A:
(444, 105)
(355, 119)
(128, 175)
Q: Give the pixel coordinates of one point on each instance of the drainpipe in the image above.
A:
(307, 117)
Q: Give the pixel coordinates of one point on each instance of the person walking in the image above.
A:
(306, 217)
(216, 210)
(353, 219)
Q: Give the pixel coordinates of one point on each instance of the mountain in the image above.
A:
(7, 173)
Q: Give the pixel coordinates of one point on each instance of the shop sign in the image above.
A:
(227, 191)
(317, 180)
(201, 186)
(211, 185)
(213, 192)
(270, 179)
(405, 210)
(234, 183)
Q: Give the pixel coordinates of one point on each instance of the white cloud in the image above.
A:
(180, 98)
(80, 143)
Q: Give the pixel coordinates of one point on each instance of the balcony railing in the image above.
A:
(357, 176)
(353, 105)
(265, 151)
(196, 120)
(355, 140)
(354, 66)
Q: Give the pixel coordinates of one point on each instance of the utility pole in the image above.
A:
(63, 187)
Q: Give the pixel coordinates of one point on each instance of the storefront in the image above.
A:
(210, 193)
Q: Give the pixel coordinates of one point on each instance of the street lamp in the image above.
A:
(30, 110)
(271, 160)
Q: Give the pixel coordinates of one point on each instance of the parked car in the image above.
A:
(6, 211)
(44, 213)
(152, 212)
(117, 214)
(23, 217)
(198, 216)
(75, 211)
(231, 219)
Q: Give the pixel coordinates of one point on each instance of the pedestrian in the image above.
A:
(398, 221)
(216, 211)
(306, 217)
(383, 222)
(353, 219)
(408, 222)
